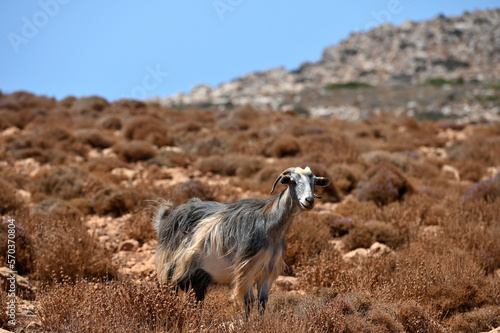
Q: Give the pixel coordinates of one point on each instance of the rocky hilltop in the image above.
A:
(448, 52)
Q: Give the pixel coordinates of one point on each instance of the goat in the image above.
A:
(201, 243)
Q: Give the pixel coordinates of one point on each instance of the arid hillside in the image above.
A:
(405, 238)
(454, 51)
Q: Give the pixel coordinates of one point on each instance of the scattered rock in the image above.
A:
(286, 283)
(130, 245)
(24, 195)
(433, 153)
(24, 288)
(430, 230)
(34, 326)
(496, 330)
(452, 171)
(338, 245)
(376, 250)
(11, 131)
(123, 173)
(356, 256)
(28, 166)
(4, 331)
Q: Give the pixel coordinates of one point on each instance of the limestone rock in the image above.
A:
(130, 245)
(286, 283)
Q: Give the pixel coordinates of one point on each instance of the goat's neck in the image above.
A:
(282, 210)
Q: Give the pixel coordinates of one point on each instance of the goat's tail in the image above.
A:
(163, 254)
(162, 211)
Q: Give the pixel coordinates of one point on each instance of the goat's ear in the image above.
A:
(285, 180)
(321, 181)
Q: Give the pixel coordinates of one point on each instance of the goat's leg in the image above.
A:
(263, 294)
(249, 299)
(200, 281)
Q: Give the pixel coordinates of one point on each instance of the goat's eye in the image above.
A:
(293, 182)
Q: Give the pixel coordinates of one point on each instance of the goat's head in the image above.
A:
(301, 184)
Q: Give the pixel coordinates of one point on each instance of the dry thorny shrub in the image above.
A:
(62, 246)
(115, 306)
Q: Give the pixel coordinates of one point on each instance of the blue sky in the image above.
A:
(119, 49)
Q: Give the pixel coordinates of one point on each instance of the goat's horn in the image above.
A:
(287, 171)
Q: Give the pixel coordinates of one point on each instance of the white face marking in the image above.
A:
(301, 171)
(305, 189)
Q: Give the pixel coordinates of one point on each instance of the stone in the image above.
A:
(356, 256)
(338, 245)
(123, 173)
(130, 245)
(21, 282)
(286, 283)
(378, 249)
(452, 171)
(24, 195)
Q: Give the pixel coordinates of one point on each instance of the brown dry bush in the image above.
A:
(384, 185)
(230, 165)
(447, 279)
(64, 182)
(63, 247)
(479, 148)
(115, 201)
(134, 151)
(284, 146)
(331, 317)
(8, 199)
(471, 170)
(360, 236)
(112, 123)
(104, 164)
(115, 306)
(24, 252)
(386, 233)
(416, 319)
(326, 270)
(474, 226)
(140, 226)
(329, 148)
(215, 144)
(89, 105)
(308, 235)
(345, 177)
(478, 320)
(94, 138)
(193, 188)
(171, 159)
(4, 300)
(355, 312)
(263, 180)
(147, 128)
